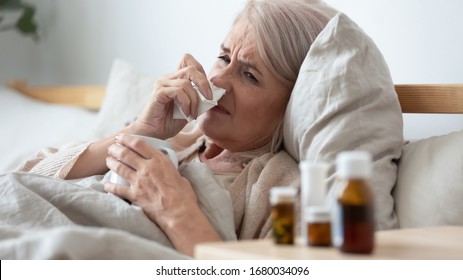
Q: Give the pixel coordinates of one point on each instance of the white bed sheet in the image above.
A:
(28, 125)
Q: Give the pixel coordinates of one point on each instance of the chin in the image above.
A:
(211, 127)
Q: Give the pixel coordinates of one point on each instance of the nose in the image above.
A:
(221, 78)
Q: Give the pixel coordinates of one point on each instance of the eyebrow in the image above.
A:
(246, 64)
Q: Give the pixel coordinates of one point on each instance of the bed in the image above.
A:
(424, 183)
(79, 105)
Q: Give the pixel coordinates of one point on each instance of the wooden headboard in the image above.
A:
(440, 99)
(89, 97)
(414, 98)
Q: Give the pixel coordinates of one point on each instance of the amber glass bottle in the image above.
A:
(354, 220)
(282, 200)
(318, 226)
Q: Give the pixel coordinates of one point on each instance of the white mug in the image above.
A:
(162, 145)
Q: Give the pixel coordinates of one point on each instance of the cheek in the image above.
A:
(267, 110)
(259, 119)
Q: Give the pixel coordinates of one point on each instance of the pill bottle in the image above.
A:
(318, 223)
(282, 201)
(353, 220)
(313, 190)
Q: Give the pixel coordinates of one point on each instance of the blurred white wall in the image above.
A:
(80, 39)
(420, 39)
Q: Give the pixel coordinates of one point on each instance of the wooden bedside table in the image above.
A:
(443, 243)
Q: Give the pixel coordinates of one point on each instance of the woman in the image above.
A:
(257, 65)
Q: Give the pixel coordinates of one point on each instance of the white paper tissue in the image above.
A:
(204, 104)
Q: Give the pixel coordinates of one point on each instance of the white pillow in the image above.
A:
(126, 93)
(429, 188)
(344, 99)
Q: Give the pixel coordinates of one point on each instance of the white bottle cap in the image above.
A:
(282, 195)
(317, 214)
(354, 164)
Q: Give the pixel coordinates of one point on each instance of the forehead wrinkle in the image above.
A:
(247, 59)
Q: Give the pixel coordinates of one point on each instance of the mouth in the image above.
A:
(220, 109)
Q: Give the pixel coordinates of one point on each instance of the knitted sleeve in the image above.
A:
(54, 162)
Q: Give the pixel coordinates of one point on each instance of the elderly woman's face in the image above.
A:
(249, 113)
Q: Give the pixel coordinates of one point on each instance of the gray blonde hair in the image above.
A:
(285, 30)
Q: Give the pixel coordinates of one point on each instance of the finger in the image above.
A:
(195, 76)
(120, 191)
(184, 92)
(190, 97)
(126, 156)
(140, 147)
(189, 60)
(191, 69)
(120, 168)
(166, 96)
(199, 79)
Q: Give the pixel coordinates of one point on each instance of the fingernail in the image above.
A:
(117, 138)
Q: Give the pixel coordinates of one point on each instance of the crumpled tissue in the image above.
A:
(204, 104)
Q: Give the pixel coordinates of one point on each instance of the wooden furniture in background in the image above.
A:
(414, 98)
(441, 99)
(443, 243)
(89, 97)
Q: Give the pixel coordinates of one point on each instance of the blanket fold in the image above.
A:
(42, 218)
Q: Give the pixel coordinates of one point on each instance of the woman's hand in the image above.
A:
(155, 183)
(156, 117)
(156, 186)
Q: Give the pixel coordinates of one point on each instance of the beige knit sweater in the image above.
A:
(249, 191)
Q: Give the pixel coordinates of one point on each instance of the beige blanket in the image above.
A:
(43, 218)
(249, 193)
(250, 190)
